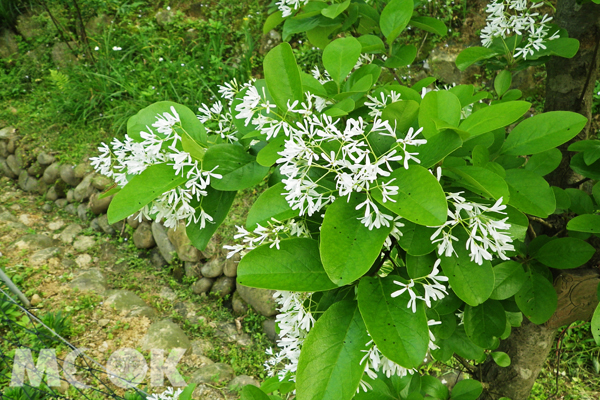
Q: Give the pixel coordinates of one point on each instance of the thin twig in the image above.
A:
(531, 231)
(83, 33)
(57, 26)
(541, 221)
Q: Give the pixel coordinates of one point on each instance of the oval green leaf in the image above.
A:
(283, 76)
(565, 253)
(530, 193)
(485, 323)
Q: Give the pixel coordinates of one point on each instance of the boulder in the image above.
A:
(52, 173)
(238, 304)
(165, 335)
(45, 159)
(157, 261)
(68, 175)
(260, 299)
(13, 164)
(223, 286)
(35, 241)
(71, 209)
(91, 280)
(54, 193)
(166, 248)
(69, 233)
(142, 237)
(84, 190)
(82, 170)
(99, 206)
(61, 203)
(183, 245)
(12, 145)
(202, 347)
(192, 269)
(124, 300)
(28, 183)
(101, 182)
(8, 44)
(82, 212)
(202, 285)
(240, 381)
(62, 55)
(103, 222)
(217, 373)
(268, 326)
(84, 243)
(41, 256)
(231, 264)
(6, 170)
(3, 151)
(213, 268)
(36, 169)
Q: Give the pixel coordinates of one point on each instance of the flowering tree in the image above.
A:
(398, 220)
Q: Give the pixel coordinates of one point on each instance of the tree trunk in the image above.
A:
(569, 87)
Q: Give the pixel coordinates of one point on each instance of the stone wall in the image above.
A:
(76, 189)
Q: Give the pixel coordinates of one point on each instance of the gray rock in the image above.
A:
(132, 221)
(8, 44)
(71, 209)
(71, 196)
(103, 222)
(124, 300)
(260, 299)
(183, 245)
(217, 373)
(28, 26)
(192, 269)
(13, 164)
(95, 225)
(35, 169)
(6, 216)
(157, 261)
(119, 228)
(164, 17)
(41, 256)
(16, 226)
(240, 381)
(82, 212)
(213, 268)
(6, 171)
(90, 280)
(7, 133)
(168, 294)
(96, 25)
(84, 190)
(12, 145)
(61, 203)
(223, 286)
(52, 194)
(84, 243)
(45, 159)
(238, 304)
(28, 183)
(268, 326)
(202, 285)
(62, 55)
(101, 182)
(47, 207)
(3, 151)
(231, 265)
(56, 225)
(142, 237)
(24, 157)
(165, 335)
(228, 332)
(83, 169)
(269, 41)
(69, 233)
(166, 248)
(35, 241)
(202, 347)
(68, 175)
(52, 173)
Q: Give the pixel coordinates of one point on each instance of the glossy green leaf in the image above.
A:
(402, 56)
(482, 181)
(585, 223)
(429, 24)
(269, 154)
(581, 202)
(563, 201)
(530, 193)
(420, 197)
(565, 253)
(509, 278)
(501, 358)
(485, 322)
(273, 21)
(543, 132)
(537, 299)
(471, 55)
(502, 82)
(561, 47)
(296, 25)
(394, 18)
(401, 114)
(438, 105)
(493, 117)
(468, 389)
(335, 9)
(460, 343)
(340, 57)
(270, 204)
(348, 248)
(371, 44)
(433, 387)
(438, 147)
(590, 149)
(329, 366)
(595, 325)
(295, 265)
(239, 169)
(401, 335)
(282, 76)
(579, 165)
(420, 266)
(545, 162)
(142, 189)
(216, 204)
(310, 84)
(415, 239)
(251, 392)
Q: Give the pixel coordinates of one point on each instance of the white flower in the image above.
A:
(117, 48)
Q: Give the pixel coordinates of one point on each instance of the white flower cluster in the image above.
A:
(168, 394)
(131, 157)
(294, 322)
(375, 362)
(433, 289)
(217, 121)
(287, 7)
(485, 233)
(271, 234)
(516, 16)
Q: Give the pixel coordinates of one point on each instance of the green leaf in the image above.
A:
(429, 24)
(310, 84)
(485, 323)
(420, 197)
(471, 55)
(371, 44)
(394, 18)
(589, 223)
(270, 204)
(415, 239)
(251, 392)
(561, 47)
(581, 202)
(282, 76)
(502, 82)
(493, 117)
(423, 83)
(348, 248)
(142, 189)
(238, 168)
(432, 386)
(509, 277)
(438, 147)
(329, 366)
(295, 25)
(216, 204)
(545, 162)
(537, 299)
(340, 57)
(272, 21)
(565, 253)
(420, 266)
(402, 56)
(269, 154)
(530, 193)
(335, 9)
(441, 105)
(468, 389)
(471, 282)
(401, 114)
(595, 325)
(401, 335)
(590, 148)
(543, 132)
(589, 171)
(463, 346)
(501, 358)
(482, 181)
(110, 192)
(295, 265)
